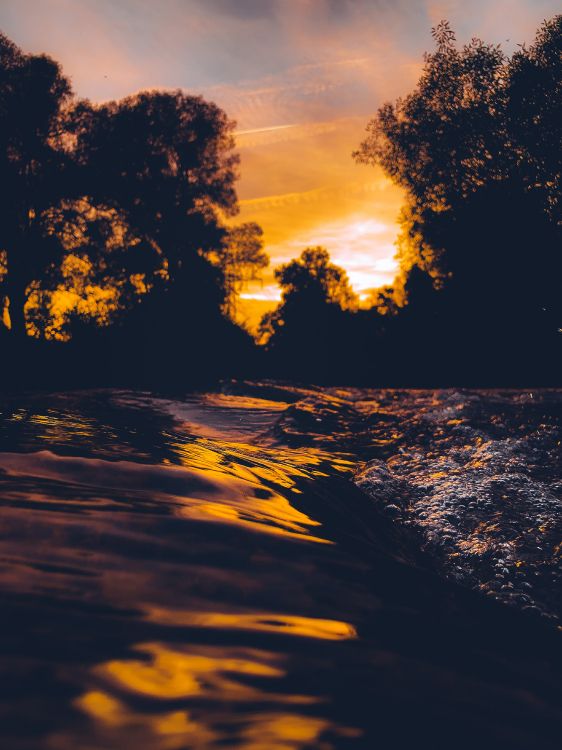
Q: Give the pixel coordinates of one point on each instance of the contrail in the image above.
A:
(263, 130)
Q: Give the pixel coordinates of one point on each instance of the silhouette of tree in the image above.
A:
(534, 95)
(314, 274)
(34, 97)
(309, 284)
(307, 328)
(447, 137)
(134, 190)
(103, 270)
(241, 259)
(481, 231)
(166, 162)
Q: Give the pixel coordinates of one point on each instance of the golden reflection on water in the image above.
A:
(215, 677)
(289, 732)
(54, 425)
(230, 401)
(119, 726)
(169, 696)
(309, 627)
(179, 730)
(281, 466)
(270, 521)
(246, 500)
(201, 490)
(259, 468)
(223, 481)
(169, 673)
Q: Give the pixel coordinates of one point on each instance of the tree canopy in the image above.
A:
(103, 204)
(309, 284)
(311, 321)
(477, 147)
(34, 100)
(241, 259)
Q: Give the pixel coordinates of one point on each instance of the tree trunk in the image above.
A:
(15, 289)
(17, 297)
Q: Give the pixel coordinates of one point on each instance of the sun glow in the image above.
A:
(302, 186)
(362, 246)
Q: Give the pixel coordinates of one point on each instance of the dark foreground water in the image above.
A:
(274, 568)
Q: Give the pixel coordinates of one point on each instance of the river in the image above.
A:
(273, 567)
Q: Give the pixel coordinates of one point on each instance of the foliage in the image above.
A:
(447, 137)
(477, 146)
(111, 201)
(315, 295)
(165, 161)
(241, 258)
(36, 175)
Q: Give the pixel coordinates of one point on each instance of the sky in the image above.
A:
(300, 77)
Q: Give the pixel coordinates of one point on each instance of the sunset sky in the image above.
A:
(300, 77)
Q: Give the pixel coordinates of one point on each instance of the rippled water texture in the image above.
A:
(205, 572)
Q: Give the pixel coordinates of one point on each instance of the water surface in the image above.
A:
(203, 572)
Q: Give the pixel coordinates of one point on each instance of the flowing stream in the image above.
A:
(269, 567)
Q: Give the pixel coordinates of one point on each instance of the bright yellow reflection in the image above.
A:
(173, 673)
(230, 683)
(172, 730)
(309, 627)
(229, 401)
(284, 732)
(168, 730)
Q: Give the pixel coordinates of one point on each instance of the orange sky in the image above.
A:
(333, 202)
(301, 77)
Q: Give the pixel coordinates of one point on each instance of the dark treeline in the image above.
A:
(477, 146)
(115, 262)
(118, 263)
